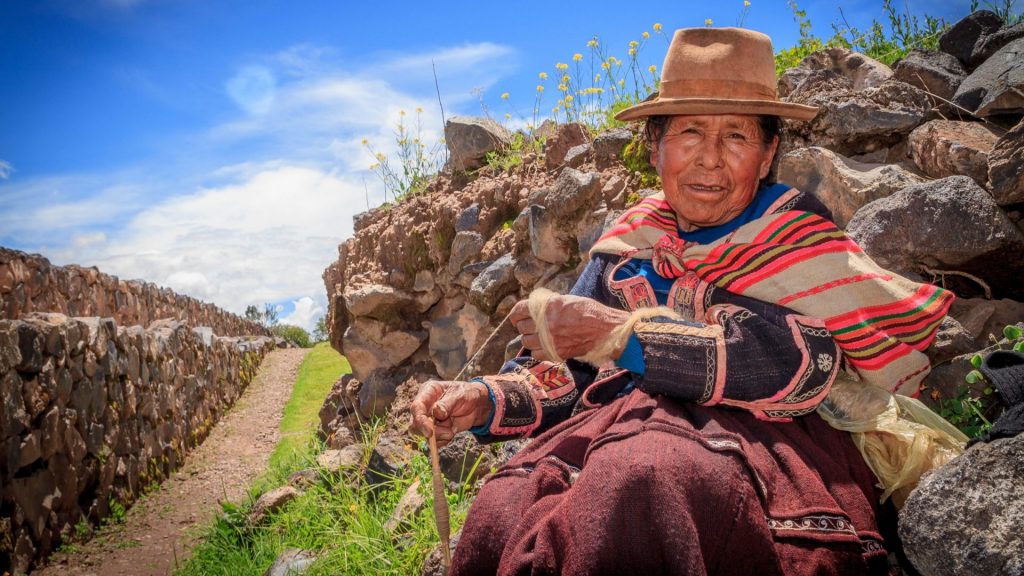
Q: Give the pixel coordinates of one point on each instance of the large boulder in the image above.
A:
(371, 344)
(853, 122)
(862, 71)
(943, 148)
(997, 86)
(949, 226)
(469, 139)
(608, 146)
(1006, 167)
(935, 72)
(842, 184)
(960, 39)
(565, 138)
(988, 45)
(967, 517)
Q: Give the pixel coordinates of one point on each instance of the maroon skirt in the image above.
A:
(647, 485)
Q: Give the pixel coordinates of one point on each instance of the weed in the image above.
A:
(511, 156)
(117, 512)
(410, 171)
(637, 158)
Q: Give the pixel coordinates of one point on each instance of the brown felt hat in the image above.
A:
(718, 71)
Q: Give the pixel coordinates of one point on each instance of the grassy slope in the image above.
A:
(341, 523)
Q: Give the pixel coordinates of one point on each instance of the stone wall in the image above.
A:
(92, 413)
(30, 283)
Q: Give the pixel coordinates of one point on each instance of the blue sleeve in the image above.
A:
(632, 357)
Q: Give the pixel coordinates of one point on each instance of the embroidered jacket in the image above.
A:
(730, 350)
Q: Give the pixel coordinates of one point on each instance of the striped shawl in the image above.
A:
(883, 322)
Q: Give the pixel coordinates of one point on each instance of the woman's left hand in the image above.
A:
(577, 325)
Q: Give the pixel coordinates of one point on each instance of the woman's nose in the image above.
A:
(710, 153)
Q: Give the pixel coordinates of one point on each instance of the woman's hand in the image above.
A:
(445, 408)
(577, 325)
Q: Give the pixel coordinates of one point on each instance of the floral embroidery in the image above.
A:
(825, 362)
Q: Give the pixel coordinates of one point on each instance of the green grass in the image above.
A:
(343, 523)
(320, 369)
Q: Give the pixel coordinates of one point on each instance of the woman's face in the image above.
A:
(710, 166)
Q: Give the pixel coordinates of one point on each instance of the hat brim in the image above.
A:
(688, 106)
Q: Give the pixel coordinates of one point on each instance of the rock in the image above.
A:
(453, 338)
(424, 281)
(271, 502)
(468, 218)
(337, 461)
(292, 562)
(565, 137)
(465, 247)
(988, 45)
(608, 146)
(387, 461)
(370, 345)
(573, 192)
(951, 340)
(862, 71)
(546, 233)
(377, 301)
(983, 318)
(997, 86)
(852, 122)
(332, 407)
(967, 517)
(494, 283)
(302, 479)
(943, 148)
(935, 72)
(960, 39)
(365, 219)
(10, 347)
(31, 344)
(577, 155)
(376, 394)
(469, 139)
(340, 437)
(950, 224)
(409, 505)
(1006, 167)
(842, 184)
(464, 459)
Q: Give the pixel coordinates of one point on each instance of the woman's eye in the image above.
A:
(737, 136)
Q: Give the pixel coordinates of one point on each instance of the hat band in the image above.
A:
(696, 88)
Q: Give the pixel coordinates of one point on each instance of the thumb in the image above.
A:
(441, 410)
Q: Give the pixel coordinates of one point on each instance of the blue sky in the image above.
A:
(214, 146)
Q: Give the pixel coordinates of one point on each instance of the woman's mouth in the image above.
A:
(707, 187)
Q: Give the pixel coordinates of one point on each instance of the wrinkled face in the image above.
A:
(710, 166)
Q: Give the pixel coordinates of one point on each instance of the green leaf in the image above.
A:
(1012, 332)
(976, 360)
(988, 391)
(973, 377)
(1018, 347)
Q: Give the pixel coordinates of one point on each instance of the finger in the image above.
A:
(526, 326)
(423, 426)
(532, 342)
(520, 311)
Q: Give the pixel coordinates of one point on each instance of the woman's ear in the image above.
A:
(655, 161)
(769, 157)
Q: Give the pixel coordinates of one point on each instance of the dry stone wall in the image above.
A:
(30, 283)
(92, 413)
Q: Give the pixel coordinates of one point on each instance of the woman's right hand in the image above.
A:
(444, 408)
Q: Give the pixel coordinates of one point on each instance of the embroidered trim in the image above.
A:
(820, 523)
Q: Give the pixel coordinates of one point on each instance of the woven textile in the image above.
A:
(882, 321)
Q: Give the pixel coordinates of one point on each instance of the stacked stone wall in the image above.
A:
(30, 283)
(92, 414)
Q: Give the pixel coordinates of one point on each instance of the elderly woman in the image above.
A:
(690, 444)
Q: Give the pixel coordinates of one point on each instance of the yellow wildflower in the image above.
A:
(381, 157)
(366, 142)
(554, 110)
(353, 507)
(633, 43)
(419, 110)
(504, 95)
(657, 26)
(543, 75)
(746, 3)
(568, 98)
(592, 43)
(709, 22)
(597, 77)
(540, 88)
(622, 82)
(652, 68)
(646, 35)
(563, 87)
(401, 112)
(529, 126)
(565, 79)
(605, 65)
(561, 66)
(507, 115)
(632, 51)
(374, 166)
(577, 57)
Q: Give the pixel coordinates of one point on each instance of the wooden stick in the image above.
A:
(440, 506)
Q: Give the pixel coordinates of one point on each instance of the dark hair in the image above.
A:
(770, 126)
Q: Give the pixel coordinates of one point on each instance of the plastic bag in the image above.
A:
(899, 437)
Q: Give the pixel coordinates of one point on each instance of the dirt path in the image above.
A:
(160, 529)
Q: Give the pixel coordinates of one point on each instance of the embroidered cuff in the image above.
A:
(682, 360)
(516, 410)
(485, 428)
(632, 357)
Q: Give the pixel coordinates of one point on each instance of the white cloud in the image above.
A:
(88, 239)
(5, 170)
(305, 314)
